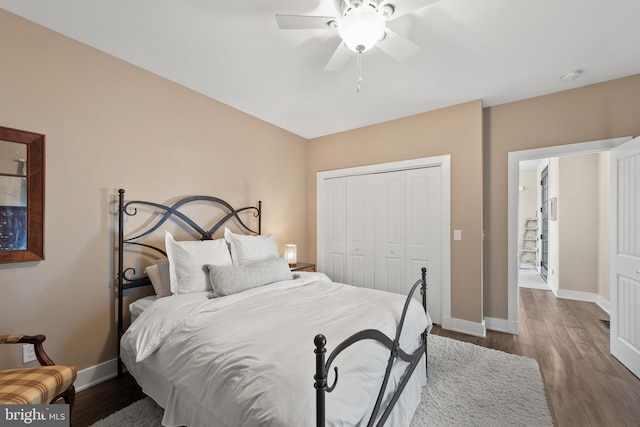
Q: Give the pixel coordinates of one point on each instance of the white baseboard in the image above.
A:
(511, 327)
(464, 326)
(96, 374)
(603, 304)
(583, 296)
(494, 324)
(501, 325)
(446, 323)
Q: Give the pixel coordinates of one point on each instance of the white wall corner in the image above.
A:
(603, 303)
(495, 324)
(447, 322)
(512, 327)
(96, 374)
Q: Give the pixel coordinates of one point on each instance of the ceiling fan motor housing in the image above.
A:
(361, 25)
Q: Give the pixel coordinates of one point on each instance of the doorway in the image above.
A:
(514, 159)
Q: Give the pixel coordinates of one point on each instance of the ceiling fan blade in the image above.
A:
(397, 47)
(339, 58)
(402, 7)
(303, 22)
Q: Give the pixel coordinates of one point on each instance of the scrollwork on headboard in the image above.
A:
(167, 212)
(125, 276)
(174, 210)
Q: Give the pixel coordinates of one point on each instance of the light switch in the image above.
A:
(457, 234)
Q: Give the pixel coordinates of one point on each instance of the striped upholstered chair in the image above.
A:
(39, 385)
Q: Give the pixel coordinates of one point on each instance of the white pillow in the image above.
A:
(246, 249)
(138, 306)
(160, 277)
(231, 280)
(187, 259)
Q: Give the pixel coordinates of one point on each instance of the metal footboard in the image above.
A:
(395, 352)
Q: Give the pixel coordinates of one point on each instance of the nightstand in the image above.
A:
(304, 266)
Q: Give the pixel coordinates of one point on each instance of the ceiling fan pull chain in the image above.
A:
(359, 85)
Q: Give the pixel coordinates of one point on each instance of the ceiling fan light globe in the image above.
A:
(361, 27)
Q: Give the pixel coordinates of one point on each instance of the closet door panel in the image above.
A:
(424, 231)
(390, 231)
(360, 229)
(337, 268)
(356, 271)
(335, 228)
(393, 270)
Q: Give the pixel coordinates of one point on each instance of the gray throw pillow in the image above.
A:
(227, 280)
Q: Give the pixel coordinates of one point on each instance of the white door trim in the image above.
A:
(444, 162)
(514, 159)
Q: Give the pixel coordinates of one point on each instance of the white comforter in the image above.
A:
(247, 359)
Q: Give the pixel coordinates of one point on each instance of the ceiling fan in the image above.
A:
(361, 25)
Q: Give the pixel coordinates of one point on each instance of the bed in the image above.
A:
(255, 344)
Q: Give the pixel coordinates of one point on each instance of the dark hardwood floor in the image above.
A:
(585, 385)
(101, 400)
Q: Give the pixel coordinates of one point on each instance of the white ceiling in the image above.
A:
(495, 50)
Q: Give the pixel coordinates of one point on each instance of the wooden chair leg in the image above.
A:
(69, 397)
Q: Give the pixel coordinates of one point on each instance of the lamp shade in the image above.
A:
(291, 254)
(361, 26)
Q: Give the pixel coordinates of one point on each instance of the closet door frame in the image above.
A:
(444, 162)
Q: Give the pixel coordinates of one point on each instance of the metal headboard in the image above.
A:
(125, 276)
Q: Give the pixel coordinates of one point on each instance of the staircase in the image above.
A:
(529, 244)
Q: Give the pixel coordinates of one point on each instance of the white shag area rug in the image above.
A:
(468, 385)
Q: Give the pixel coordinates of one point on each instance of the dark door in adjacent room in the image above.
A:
(544, 210)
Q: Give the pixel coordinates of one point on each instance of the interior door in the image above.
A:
(625, 257)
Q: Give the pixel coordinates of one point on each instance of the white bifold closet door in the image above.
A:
(381, 229)
(335, 229)
(359, 235)
(390, 232)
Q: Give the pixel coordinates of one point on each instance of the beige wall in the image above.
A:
(528, 197)
(578, 216)
(457, 131)
(579, 238)
(109, 124)
(601, 111)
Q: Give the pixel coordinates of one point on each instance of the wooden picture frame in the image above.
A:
(35, 192)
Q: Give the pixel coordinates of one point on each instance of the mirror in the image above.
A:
(21, 196)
